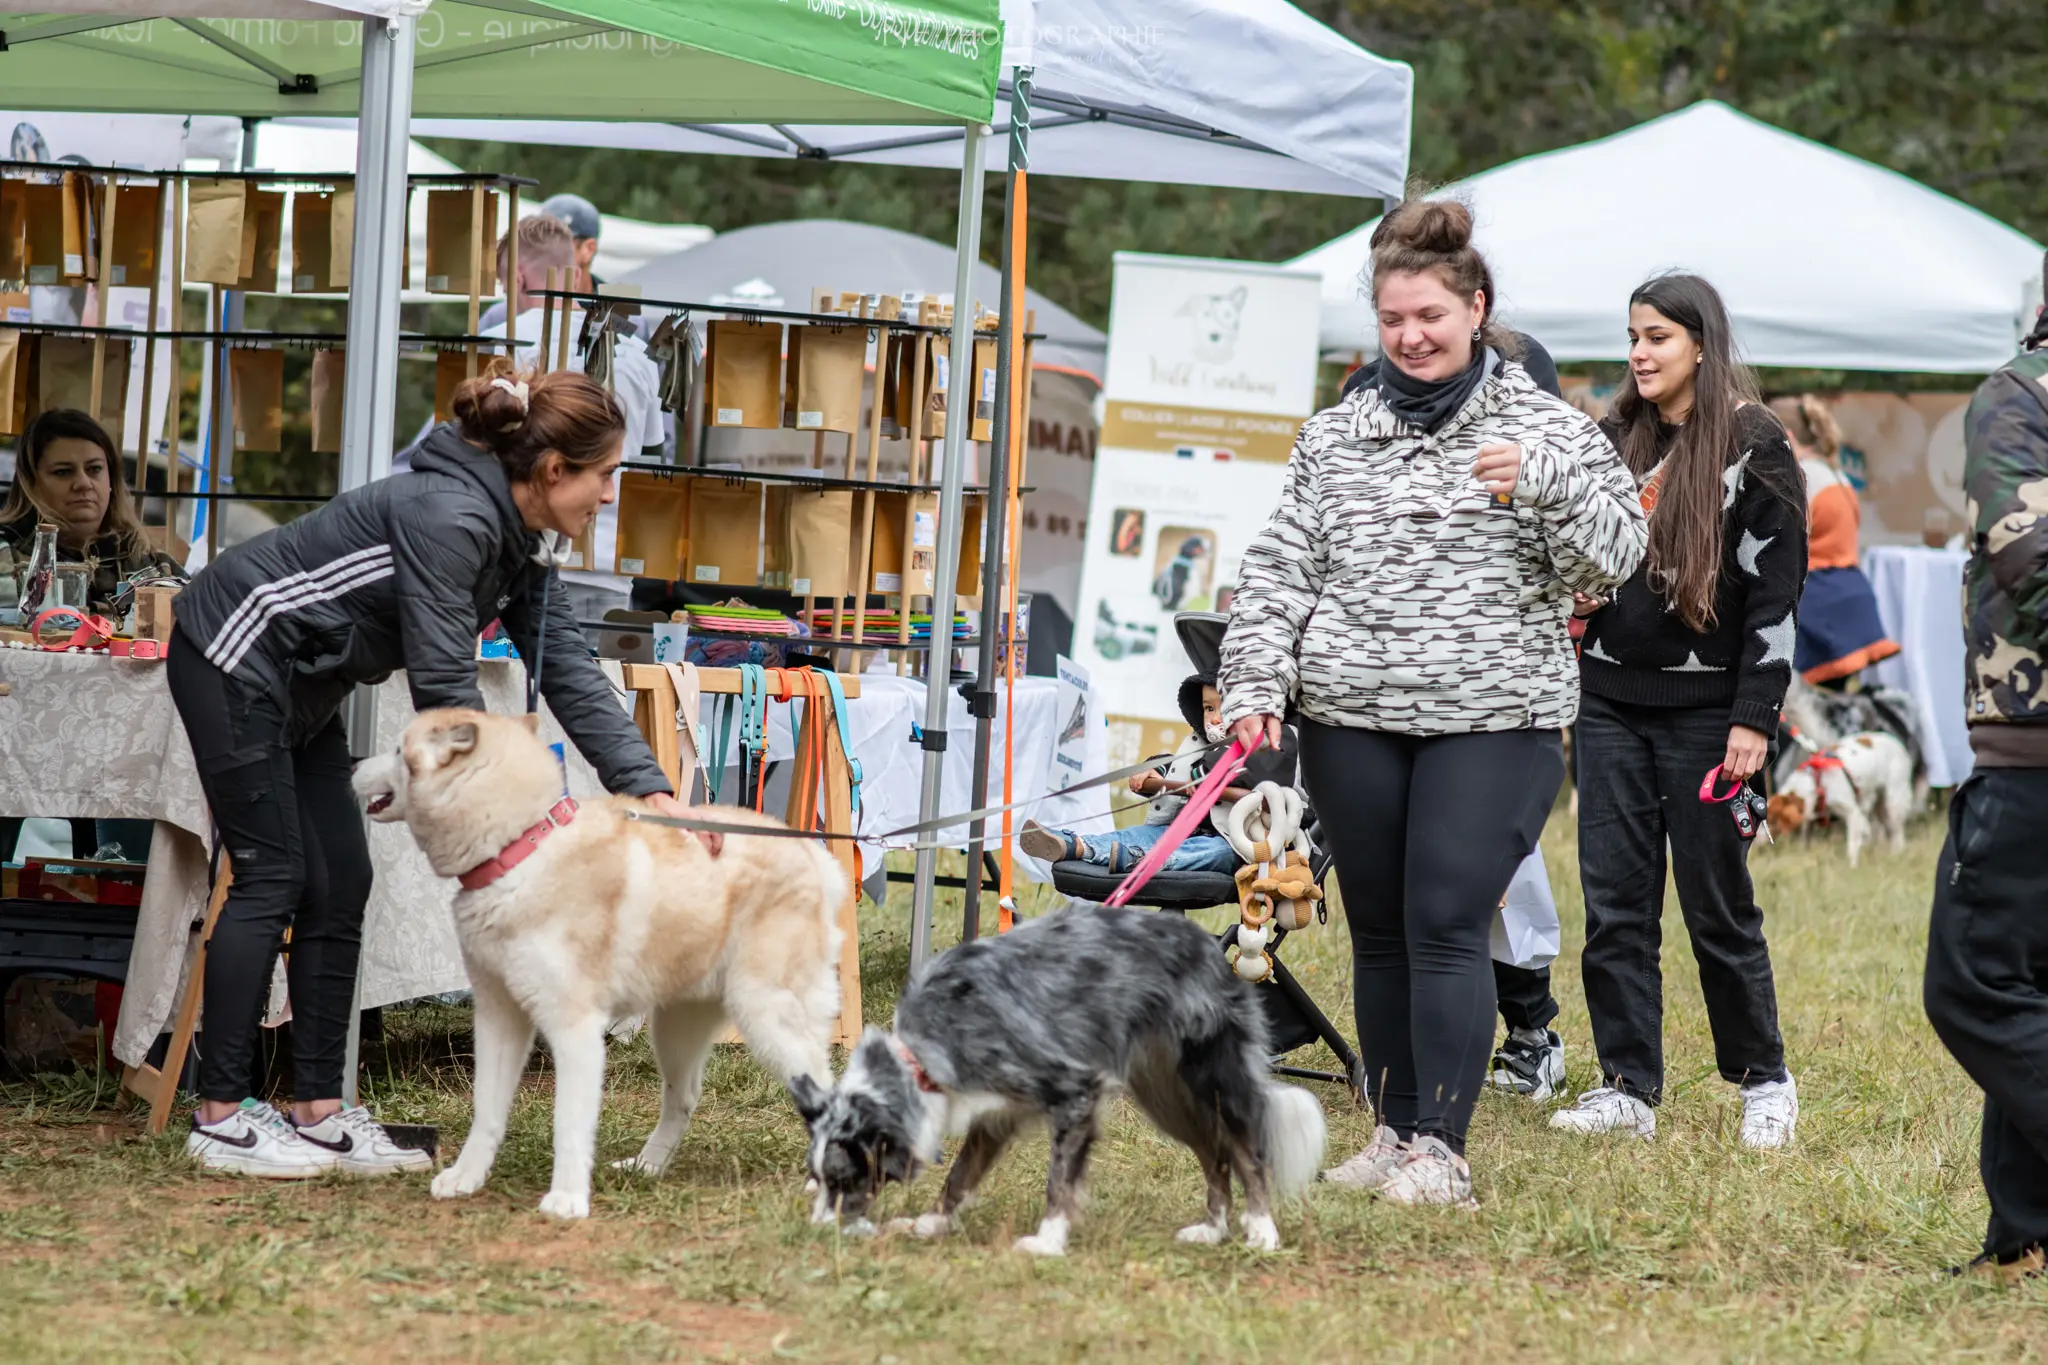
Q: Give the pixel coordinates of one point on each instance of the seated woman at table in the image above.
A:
(68, 474)
(1839, 631)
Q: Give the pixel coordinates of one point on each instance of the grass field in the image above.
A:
(1688, 1248)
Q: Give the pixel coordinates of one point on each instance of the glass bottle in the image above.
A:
(42, 569)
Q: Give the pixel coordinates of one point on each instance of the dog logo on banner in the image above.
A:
(1216, 319)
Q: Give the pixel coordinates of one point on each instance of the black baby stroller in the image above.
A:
(1293, 1019)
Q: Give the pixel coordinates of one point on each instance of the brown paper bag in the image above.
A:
(775, 536)
(341, 238)
(17, 363)
(215, 215)
(725, 533)
(64, 380)
(826, 370)
(14, 307)
(654, 524)
(906, 543)
(744, 362)
(820, 542)
(312, 243)
(262, 229)
(453, 264)
(330, 382)
(42, 208)
(985, 396)
(258, 377)
(81, 243)
(967, 582)
(938, 372)
(11, 228)
(131, 253)
(451, 368)
(153, 611)
(896, 386)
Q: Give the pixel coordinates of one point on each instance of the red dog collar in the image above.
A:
(520, 849)
(917, 1071)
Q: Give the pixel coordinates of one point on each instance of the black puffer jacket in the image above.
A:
(404, 573)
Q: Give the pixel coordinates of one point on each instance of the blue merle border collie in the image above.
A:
(1046, 1023)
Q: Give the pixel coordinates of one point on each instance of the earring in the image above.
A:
(1700, 359)
(1475, 334)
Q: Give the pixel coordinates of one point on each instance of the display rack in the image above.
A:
(899, 351)
(88, 203)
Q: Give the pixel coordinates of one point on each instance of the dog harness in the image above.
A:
(1827, 760)
(520, 849)
(917, 1071)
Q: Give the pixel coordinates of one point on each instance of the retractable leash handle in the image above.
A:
(1193, 813)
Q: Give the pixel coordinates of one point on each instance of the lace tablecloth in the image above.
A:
(88, 736)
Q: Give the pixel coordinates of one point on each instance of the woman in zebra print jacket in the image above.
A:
(1411, 596)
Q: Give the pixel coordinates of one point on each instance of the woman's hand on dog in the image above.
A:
(1745, 756)
(665, 804)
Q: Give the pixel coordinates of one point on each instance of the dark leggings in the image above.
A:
(1427, 832)
(301, 861)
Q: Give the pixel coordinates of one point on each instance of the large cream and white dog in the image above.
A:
(603, 918)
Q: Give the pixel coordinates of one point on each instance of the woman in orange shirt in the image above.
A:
(1840, 633)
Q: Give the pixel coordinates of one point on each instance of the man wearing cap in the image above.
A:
(585, 223)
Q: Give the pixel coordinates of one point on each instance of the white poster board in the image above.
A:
(1075, 714)
(1212, 368)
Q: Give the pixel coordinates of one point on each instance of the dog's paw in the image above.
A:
(928, 1225)
(638, 1165)
(1260, 1234)
(455, 1183)
(1038, 1244)
(859, 1227)
(1202, 1234)
(565, 1204)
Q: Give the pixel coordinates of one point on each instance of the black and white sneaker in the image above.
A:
(1530, 1063)
(360, 1146)
(257, 1140)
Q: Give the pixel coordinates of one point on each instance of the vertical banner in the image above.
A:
(1076, 712)
(1212, 368)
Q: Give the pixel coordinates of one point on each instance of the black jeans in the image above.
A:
(1640, 769)
(1427, 832)
(1986, 989)
(1525, 998)
(301, 861)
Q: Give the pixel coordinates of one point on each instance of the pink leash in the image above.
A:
(1200, 800)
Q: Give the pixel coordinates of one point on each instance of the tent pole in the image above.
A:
(959, 414)
(997, 515)
(370, 383)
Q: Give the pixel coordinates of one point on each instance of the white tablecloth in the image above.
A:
(83, 735)
(1920, 599)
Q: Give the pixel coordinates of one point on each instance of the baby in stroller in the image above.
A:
(1208, 851)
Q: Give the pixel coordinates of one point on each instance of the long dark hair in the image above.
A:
(1685, 531)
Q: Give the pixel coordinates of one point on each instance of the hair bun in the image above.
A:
(490, 408)
(1439, 227)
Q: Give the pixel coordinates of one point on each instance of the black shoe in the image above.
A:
(1531, 1069)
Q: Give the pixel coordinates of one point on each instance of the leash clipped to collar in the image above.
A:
(520, 849)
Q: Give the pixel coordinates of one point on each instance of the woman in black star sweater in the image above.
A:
(1684, 671)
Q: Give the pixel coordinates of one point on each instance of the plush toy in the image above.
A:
(1275, 888)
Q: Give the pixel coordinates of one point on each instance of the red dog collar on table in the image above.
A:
(95, 633)
(520, 849)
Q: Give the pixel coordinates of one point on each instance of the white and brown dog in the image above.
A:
(1861, 780)
(572, 916)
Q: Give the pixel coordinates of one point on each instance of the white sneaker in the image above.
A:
(1430, 1173)
(257, 1140)
(1606, 1110)
(1770, 1111)
(1369, 1169)
(361, 1146)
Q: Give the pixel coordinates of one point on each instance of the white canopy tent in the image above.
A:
(1826, 261)
(1251, 94)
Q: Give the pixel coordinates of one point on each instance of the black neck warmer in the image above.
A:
(1429, 403)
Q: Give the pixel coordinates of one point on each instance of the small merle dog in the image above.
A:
(1047, 1022)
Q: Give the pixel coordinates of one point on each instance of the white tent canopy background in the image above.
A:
(1250, 94)
(1825, 261)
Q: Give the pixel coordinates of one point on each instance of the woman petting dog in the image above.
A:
(1685, 671)
(1411, 594)
(272, 636)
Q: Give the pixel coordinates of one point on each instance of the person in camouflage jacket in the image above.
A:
(1986, 987)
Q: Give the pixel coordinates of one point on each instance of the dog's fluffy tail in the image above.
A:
(1295, 1138)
